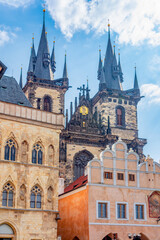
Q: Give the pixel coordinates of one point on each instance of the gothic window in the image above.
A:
(47, 104)
(10, 150)
(120, 116)
(80, 161)
(35, 197)
(38, 103)
(7, 195)
(37, 154)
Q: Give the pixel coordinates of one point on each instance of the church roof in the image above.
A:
(11, 92)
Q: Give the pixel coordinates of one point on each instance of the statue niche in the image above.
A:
(50, 194)
(24, 152)
(22, 196)
(80, 161)
(51, 154)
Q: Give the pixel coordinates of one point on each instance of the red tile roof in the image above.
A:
(81, 181)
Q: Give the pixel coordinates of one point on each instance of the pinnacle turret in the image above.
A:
(53, 62)
(65, 74)
(99, 66)
(136, 86)
(32, 60)
(120, 69)
(20, 80)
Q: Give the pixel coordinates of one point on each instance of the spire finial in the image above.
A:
(108, 28)
(44, 10)
(65, 74)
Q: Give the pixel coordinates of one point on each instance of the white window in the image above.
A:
(140, 211)
(103, 209)
(122, 210)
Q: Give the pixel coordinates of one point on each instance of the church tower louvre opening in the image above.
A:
(97, 121)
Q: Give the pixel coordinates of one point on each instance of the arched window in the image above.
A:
(47, 104)
(7, 195)
(80, 161)
(10, 150)
(120, 116)
(37, 154)
(6, 231)
(35, 197)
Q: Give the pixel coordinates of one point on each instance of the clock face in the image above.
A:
(84, 110)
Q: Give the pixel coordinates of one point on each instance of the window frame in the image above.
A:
(122, 116)
(131, 175)
(122, 174)
(110, 174)
(107, 208)
(144, 211)
(126, 211)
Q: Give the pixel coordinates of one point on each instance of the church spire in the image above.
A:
(136, 87)
(87, 91)
(65, 74)
(20, 80)
(53, 62)
(32, 60)
(99, 66)
(43, 64)
(110, 67)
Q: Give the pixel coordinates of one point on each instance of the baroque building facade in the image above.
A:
(117, 199)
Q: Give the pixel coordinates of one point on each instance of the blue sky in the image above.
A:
(80, 27)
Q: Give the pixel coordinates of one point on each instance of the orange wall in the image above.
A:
(73, 210)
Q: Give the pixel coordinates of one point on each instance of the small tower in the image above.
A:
(65, 73)
(20, 80)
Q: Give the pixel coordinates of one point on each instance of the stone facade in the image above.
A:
(26, 127)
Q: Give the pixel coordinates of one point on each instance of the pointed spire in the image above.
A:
(114, 56)
(20, 81)
(53, 62)
(110, 66)
(99, 65)
(43, 64)
(65, 74)
(120, 69)
(135, 80)
(32, 60)
(87, 91)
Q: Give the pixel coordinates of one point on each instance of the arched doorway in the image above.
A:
(76, 238)
(6, 232)
(144, 237)
(80, 161)
(111, 236)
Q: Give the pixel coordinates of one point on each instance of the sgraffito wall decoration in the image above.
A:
(154, 205)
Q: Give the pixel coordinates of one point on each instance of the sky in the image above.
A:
(79, 28)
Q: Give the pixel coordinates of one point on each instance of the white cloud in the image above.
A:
(16, 3)
(151, 92)
(155, 63)
(6, 35)
(134, 21)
